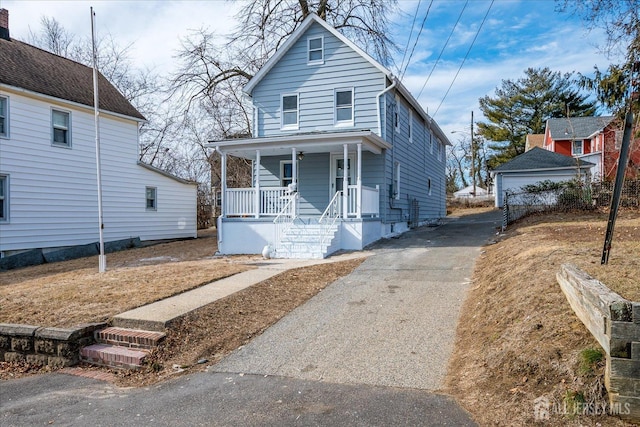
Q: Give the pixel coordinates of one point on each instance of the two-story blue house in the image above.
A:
(342, 154)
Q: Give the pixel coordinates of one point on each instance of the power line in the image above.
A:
(417, 38)
(465, 58)
(443, 48)
(415, 15)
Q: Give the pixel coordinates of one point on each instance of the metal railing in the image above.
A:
(284, 220)
(330, 216)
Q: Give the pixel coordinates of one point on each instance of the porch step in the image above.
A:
(121, 348)
(130, 338)
(304, 240)
(113, 356)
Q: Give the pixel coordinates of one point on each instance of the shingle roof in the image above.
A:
(539, 158)
(576, 127)
(534, 140)
(37, 70)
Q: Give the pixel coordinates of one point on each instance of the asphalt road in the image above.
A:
(370, 350)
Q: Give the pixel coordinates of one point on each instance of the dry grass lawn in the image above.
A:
(73, 292)
(518, 338)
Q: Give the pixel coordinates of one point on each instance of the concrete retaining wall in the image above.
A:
(615, 323)
(55, 347)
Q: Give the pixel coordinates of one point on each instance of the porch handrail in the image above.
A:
(284, 220)
(331, 214)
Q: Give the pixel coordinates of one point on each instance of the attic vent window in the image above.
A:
(315, 47)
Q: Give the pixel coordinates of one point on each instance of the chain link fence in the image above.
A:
(568, 196)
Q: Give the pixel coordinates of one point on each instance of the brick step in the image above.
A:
(130, 338)
(113, 356)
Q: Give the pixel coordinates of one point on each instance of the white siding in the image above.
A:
(53, 190)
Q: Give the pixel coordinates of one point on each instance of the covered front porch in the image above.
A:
(310, 183)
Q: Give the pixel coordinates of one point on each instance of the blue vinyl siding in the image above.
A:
(417, 166)
(342, 68)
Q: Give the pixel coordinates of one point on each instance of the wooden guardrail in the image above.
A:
(615, 323)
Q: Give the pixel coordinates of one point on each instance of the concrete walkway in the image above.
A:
(391, 322)
(156, 316)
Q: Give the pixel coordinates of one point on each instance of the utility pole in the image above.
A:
(473, 158)
(622, 162)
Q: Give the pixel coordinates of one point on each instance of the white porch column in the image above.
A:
(223, 181)
(345, 181)
(256, 171)
(359, 183)
(294, 167)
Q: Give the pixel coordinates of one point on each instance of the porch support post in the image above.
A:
(359, 183)
(223, 182)
(294, 167)
(345, 181)
(256, 172)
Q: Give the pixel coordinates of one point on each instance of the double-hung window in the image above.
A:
(344, 107)
(396, 115)
(4, 117)
(290, 111)
(4, 198)
(151, 194)
(61, 129)
(577, 148)
(315, 48)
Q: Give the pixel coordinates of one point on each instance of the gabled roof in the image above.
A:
(577, 127)
(540, 159)
(534, 140)
(295, 36)
(28, 67)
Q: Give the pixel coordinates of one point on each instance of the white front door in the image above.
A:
(338, 171)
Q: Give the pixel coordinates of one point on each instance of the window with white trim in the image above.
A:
(4, 198)
(396, 181)
(344, 107)
(396, 115)
(286, 173)
(577, 148)
(289, 110)
(151, 195)
(410, 125)
(4, 117)
(61, 128)
(315, 49)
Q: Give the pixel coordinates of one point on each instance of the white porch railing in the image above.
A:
(284, 220)
(370, 201)
(330, 215)
(242, 201)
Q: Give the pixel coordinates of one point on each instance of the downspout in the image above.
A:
(378, 96)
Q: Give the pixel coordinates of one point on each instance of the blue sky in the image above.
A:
(516, 34)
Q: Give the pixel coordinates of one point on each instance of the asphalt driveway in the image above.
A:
(369, 350)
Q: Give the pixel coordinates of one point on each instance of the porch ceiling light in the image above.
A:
(300, 155)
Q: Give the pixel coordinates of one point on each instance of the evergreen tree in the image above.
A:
(523, 106)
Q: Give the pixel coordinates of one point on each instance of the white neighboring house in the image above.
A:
(48, 189)
(467, 193)
(535, 166)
